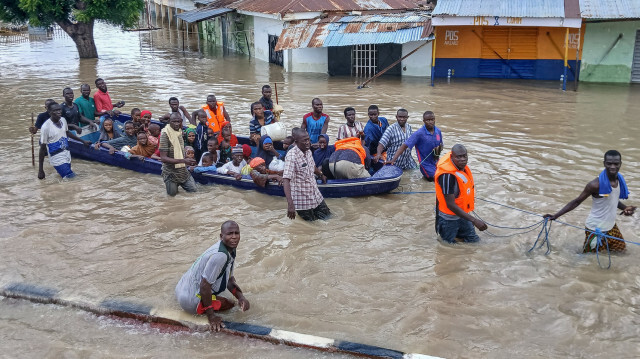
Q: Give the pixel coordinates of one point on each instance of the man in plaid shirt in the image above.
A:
(299, 181)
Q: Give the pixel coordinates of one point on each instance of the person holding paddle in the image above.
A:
(54, 141)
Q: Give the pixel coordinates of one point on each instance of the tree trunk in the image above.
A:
(82, 34)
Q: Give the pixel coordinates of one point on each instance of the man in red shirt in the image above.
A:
(104, 106)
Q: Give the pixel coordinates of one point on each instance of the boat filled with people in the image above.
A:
(384, 180)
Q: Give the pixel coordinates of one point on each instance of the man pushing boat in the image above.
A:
(606, 191)
(198, 291)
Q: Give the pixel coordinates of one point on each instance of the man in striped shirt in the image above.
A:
(352, 128)
(394, 137)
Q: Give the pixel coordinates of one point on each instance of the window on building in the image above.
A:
(364, 60)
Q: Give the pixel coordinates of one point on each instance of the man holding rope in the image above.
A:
(606, 191)
(455, 198)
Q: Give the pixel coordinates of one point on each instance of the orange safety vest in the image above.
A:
(354, 144)
(466, 198)
(215, 120)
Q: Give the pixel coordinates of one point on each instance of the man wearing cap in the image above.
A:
(198, 291)
(234, 167)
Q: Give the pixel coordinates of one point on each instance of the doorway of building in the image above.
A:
(275, 57)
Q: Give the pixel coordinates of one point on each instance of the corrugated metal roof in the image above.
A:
(610, 9)
(508, 8)
(298, 6)
(203, 14)
(356, 30)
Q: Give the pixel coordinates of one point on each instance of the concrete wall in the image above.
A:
(419, 63)
(262, 28)
(308, 60)
(616, 66)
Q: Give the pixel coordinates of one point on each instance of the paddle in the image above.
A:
(33, 151)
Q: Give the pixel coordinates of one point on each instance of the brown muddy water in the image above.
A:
(374, 273)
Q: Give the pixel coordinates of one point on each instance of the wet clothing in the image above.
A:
(55, 137)
(322, 211)
(314, 126)
(392, 139)
(202, 137)
(201, 169)
(255, 126)
(175, 175)
(604, 185)
(425, 142)
(87, 107)
(102, 101)
(603, 210)
(71, 114)
(373, 133)
(590, 241)
(348, 164)
(299, 169)
(460, 228)
(266, 104)
(215, 266)
(345, 131)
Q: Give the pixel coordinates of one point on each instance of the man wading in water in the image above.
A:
(174, 171)
(212, 273)
(606, 191)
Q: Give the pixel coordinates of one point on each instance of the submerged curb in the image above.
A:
(127, 309)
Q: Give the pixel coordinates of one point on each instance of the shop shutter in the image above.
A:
(495, 42)
(635, 68)
(523, 52)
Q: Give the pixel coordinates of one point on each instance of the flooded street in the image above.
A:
(374, 273)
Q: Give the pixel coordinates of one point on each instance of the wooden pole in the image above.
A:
(433, 63)
(566, 60)
(33, 150)
(275, 84)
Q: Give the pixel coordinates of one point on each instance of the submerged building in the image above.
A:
(507, 39)
(338, 37)
(611, 41)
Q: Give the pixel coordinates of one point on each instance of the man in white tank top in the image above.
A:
(606, 191)
(175, 106)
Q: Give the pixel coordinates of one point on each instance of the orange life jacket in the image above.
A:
(352, 143)
(215, 120)
(466, 198)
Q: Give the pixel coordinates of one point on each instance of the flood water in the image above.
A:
(374, 273)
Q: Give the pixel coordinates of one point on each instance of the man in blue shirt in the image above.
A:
(428, 143)
(374, 129)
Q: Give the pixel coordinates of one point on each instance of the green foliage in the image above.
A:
(45, 12)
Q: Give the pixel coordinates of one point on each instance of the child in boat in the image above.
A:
(225, 152)
(212, 147)
(189, 152)
(107, 132)
(208, 163)
(144, 148)
(190, 141)
(287, 142)
(136, 117)
(226, 134)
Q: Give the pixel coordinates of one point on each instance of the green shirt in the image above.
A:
(87, 108)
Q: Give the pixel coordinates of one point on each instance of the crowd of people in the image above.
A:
(203, 141)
